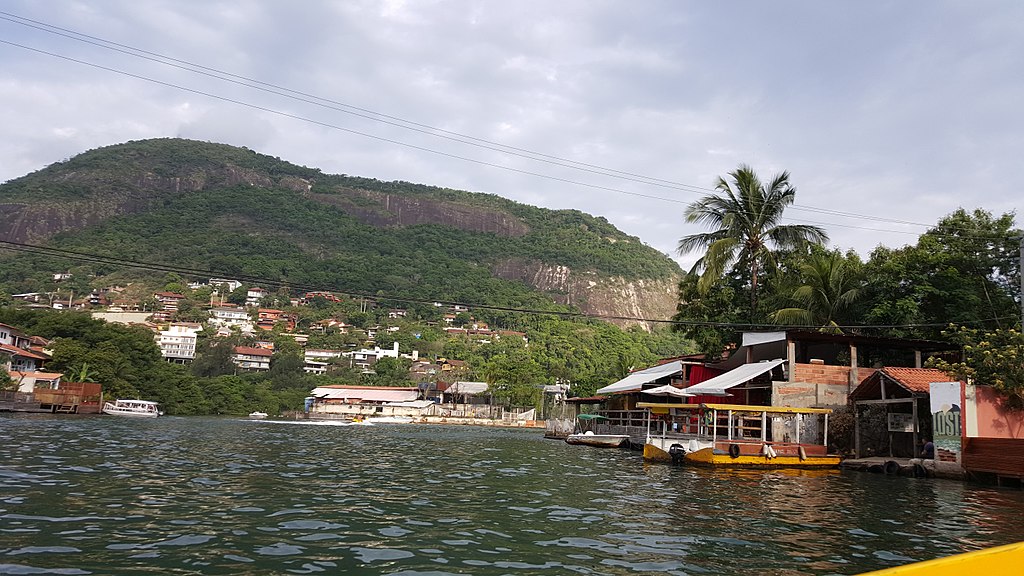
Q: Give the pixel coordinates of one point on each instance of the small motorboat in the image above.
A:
(585, 435)
(132, 408)
(257, 415)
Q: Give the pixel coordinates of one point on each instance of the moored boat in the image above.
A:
(132, 408)
(257, 415)
(742, 436)
(585, 435)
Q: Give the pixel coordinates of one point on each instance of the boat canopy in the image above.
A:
(719, 384)
(636, 380)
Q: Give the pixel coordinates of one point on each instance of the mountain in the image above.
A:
(234, 211)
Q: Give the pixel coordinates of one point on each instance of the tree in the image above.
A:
(830, 285)
(994, 358)
(6, 383)
(745, 217)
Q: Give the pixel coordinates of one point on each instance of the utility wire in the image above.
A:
(416, 147)
(407, 124)
(302, 287)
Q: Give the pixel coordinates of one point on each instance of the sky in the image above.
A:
(887, 115)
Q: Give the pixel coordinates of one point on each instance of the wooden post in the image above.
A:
(729, 426)
(798, 420)
(824, 435)
(856, 431)
(913, 411)
(764, 426)
(854, 379)
(791, 357)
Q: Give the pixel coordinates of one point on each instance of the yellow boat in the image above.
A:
(739, 435)
(1008, 559)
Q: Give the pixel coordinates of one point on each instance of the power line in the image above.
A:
(409, 125)
(204, 273)
(413, 146)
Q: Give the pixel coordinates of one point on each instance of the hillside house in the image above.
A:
(231, 317)
(168, 305)
(365, 358)
(317, 361)
(252, 358)
(255, 295)
(178, 342)
(267, 318)
(23, 357)
(225, 285)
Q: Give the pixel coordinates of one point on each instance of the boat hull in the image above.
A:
(711, 457)
(598, 440)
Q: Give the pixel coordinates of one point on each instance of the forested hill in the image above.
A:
(234, 211)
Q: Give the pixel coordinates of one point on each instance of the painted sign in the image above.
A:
(900, 422)
(945, 409)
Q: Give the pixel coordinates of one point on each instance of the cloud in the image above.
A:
(904, 110)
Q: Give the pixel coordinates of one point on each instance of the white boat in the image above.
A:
(585, 436)
(257, 415)
(391, 419)
(132, 408)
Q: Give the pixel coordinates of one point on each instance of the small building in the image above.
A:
(461, 392)
(316, 361)
(251, 358)
(365, 358)
(225, 285)
(255, 295)
(345, 401)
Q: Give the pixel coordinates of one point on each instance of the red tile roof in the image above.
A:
(15, 351)
(250, 351)
(917, 379)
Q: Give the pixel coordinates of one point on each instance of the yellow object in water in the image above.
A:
(1008, 559)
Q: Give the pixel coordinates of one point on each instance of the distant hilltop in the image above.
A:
(231, 210)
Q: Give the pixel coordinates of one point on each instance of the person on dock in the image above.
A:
(927, 449)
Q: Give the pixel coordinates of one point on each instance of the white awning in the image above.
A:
(634, 381)
(668, 390)
(755, 338)
(719, 384)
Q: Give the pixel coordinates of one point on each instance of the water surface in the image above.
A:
(102, 495)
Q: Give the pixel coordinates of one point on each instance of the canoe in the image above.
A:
(1006, 559)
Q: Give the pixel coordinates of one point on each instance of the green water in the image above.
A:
(102, 495)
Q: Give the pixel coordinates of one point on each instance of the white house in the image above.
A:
(178, 342)
(256, 359)
(365, 358)
(317, 360)
(228, 317)
(229, 285)
(255, 295)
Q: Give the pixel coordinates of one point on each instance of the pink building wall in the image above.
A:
(992, 418)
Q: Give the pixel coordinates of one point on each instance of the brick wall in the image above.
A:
(824, 374)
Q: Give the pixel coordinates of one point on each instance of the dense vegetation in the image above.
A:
(964, 271)
(127, 361)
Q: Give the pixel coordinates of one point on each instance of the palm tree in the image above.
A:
(829, 287)
(745, 219)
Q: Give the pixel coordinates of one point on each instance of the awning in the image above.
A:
(669, 390)
(634, 381)
(719, 384)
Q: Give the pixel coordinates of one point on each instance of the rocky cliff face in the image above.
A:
(386, 210)
(613, 297)
(132, 192)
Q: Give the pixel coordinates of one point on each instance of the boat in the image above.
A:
(360, 421)
(132, 408)
(391, 419)
(585, 435)
(1005, 559)
(738, 435)
(257, 415)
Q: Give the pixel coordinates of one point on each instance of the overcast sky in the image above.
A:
(901, 110)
